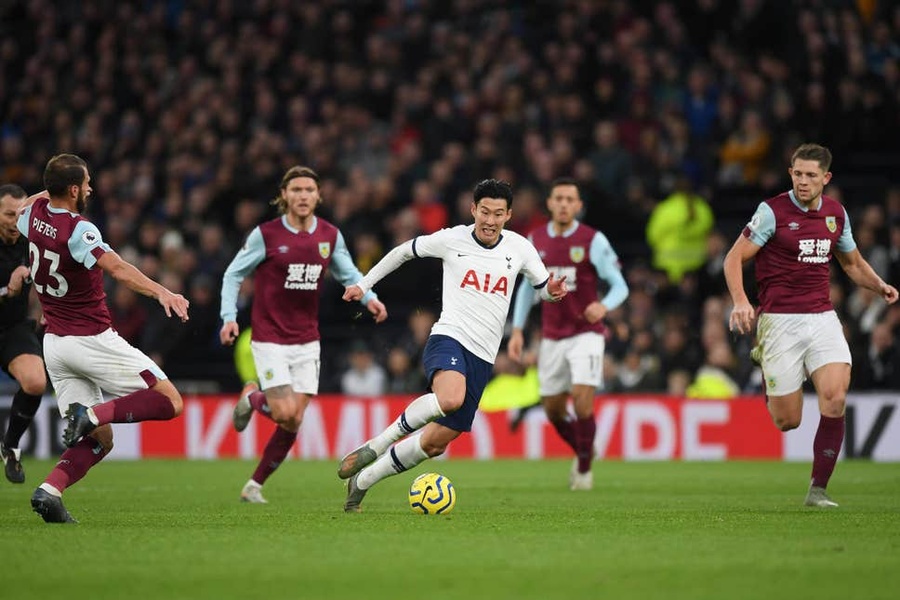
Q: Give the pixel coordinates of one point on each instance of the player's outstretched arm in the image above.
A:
(129, 275)
(388, 264)
(862, 274)
(742, 315)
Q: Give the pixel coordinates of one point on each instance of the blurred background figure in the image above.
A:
(364, 377)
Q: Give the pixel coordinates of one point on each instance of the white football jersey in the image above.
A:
(478, 282)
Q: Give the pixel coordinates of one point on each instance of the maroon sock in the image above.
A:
(566, 430)
(279, 445)
(75, 463)
(826, 447)
(143, 405)
(585, 430)
(259, 404)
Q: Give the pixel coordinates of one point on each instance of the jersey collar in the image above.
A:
(800, 206)
(482, 244)
(572, 228)
(312, 228)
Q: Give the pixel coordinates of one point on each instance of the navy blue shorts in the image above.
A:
(443, 353)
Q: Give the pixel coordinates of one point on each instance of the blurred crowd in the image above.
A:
(676, 118)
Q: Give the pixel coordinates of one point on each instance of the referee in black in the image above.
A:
(20, 349)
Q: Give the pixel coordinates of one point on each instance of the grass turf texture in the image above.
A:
(175, 529)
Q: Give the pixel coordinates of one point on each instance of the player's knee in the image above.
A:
(293, 424)
(34, 384)
(834, 408)
(450, 403)
(555, 414)
(282, 412)
(177, 402)
(433, 448)
(786, 423)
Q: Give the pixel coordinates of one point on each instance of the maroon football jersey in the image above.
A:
(71, 294)
(288, 282)
(792, 268)
(569, 256)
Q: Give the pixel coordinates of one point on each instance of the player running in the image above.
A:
(570, 358)
(480, 264)
(288, 257)
(793, 237)
(85, 356)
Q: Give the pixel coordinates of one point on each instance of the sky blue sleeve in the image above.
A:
(245, 262)
(762, 225)
(85, 238)
(605, 260)
(344, 270)
(23, 220)
(846, 243)
(523, 303)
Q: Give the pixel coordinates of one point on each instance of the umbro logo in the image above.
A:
(793, 226)
(283, 249)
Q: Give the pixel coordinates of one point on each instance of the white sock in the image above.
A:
(419, 412)
(402, 457)
(92, 416)
(50, 490)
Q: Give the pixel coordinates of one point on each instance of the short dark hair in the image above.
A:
(820, 154)
(62, 171)
(563, 181)
(11, 189)
(493, 188)
(292, 173)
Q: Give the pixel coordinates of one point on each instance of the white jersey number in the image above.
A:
(62, 286)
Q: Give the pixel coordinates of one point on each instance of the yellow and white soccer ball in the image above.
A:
(432, 494)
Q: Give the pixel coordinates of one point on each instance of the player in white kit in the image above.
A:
(480, 263)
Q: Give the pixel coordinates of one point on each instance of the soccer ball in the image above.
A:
(432, 494)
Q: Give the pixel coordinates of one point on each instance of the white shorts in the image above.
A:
(296, 365)
(84, 367)
(795, 345)
(577, 360)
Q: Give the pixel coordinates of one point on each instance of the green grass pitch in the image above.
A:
(174, 529)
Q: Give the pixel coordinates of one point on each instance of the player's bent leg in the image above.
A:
(449, 391)
(555, 407)
(786, 410)
(168, 389)
(282, 406)
(431, 442)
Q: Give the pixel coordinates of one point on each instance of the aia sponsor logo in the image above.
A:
(483, 283)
